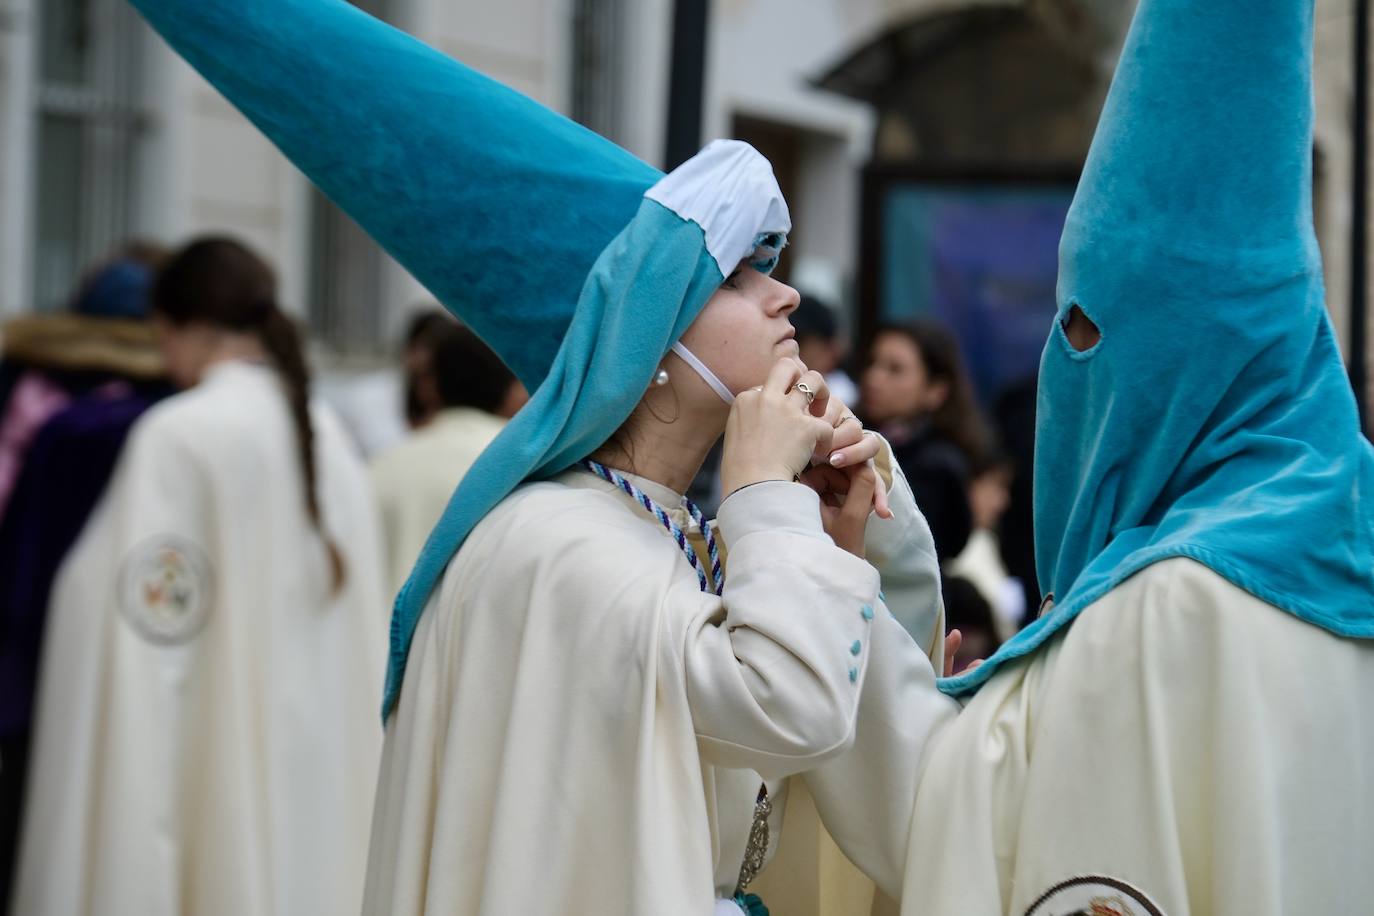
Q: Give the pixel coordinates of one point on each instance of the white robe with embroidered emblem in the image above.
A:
(583, 730)
(207, 740)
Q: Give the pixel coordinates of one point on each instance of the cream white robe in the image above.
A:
(206, 733)
(414, 480)
(1183, 746)
(583, 731)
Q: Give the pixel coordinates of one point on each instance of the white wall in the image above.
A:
(762, 55)
(207, 169)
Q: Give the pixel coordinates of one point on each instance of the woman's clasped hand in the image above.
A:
(790, 428)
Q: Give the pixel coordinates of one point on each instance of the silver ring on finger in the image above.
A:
(806, 390)
(849, 416)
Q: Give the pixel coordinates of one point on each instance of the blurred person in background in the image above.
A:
(422, 400)
(822, 348)
(917, 394)
(980, 562)
(414, 480)
(204, 740)
(969, 612)
(48, 360)
(380, 407)
(1013, 413)
(94, 368)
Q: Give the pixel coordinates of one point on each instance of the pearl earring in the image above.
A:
(660, 378)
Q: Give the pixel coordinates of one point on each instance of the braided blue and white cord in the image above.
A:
(717, 574)
(717, 579)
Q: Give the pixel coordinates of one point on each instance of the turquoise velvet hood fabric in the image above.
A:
(488, 198)
(533, 230)
(1214, 419)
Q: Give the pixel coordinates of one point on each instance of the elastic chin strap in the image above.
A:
(706, 374)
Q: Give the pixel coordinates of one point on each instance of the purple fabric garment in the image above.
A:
(34, 401)
(69, 464)
(68, 467)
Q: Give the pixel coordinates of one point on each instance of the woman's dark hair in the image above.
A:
(422, 330)
(958, 419)
(813, 318)
(219, 282)
(425, 322)
(466, 371)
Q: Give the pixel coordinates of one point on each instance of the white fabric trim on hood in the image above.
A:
(727, 189)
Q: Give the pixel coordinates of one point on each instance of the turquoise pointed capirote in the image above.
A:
(490, 199)
(1214, 419)
(577, 263)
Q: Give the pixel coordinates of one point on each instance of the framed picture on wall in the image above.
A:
(977, 251)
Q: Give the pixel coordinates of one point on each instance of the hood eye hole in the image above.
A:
(1046, 605)
(1083, 335)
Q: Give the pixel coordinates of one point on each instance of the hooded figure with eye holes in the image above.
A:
(1187, 727)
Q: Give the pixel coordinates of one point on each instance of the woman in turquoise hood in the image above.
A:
(1187, 727)
(595, 696)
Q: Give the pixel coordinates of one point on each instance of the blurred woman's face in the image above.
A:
(896, 385)
(743, 330)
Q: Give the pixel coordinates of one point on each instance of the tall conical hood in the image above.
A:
(577, 263)
(1214, 419)
(474, 188)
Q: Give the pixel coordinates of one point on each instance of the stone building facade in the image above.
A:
(105, 135)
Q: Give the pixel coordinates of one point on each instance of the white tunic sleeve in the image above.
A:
(774, 670)
(903, 551)
(866, 794)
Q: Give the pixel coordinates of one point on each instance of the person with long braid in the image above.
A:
(216, 637)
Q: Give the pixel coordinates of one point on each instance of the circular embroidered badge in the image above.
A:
(1093, 895)
(164, 589)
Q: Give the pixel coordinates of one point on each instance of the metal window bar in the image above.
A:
(345, 290)
(346, 283)
(598, 65)
(108, 110)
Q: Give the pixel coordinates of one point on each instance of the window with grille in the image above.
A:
(347, 311)
(91, 119)
(346, 308)
(598, 37)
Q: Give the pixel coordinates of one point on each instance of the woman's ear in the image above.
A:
(937, 393)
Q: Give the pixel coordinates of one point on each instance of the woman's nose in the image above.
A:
(787, 299)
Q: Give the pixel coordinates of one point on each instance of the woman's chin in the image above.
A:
(787, 347)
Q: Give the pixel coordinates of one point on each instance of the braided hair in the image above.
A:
(218, 281)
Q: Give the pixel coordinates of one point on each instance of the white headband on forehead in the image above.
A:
(728, 189)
